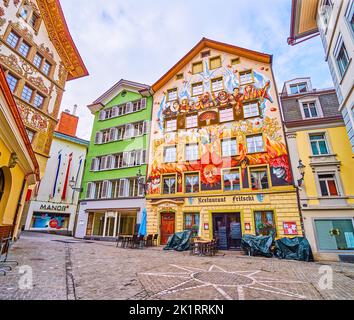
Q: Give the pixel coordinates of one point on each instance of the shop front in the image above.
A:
(51, 217)
(107, 219)
(226, 218)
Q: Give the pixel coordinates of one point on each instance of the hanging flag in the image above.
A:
(57, 175)
(63, 196)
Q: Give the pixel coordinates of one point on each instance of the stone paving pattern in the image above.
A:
(66, 268)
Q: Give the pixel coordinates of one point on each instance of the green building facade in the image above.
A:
(113, 195)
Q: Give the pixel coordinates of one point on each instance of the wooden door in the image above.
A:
(167, 227)
(90, 224)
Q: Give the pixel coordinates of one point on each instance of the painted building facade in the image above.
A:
(113, 197)
(333, 20)
(18, 165)
(53, 205)
(316, 135)
(39, 56)
(218, 161)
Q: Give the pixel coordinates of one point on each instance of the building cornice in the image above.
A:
(60, 36)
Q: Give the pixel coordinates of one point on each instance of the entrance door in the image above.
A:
(227, 228)
(167, 227)
(89, 228)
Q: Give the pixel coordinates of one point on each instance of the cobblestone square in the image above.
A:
(66, 269)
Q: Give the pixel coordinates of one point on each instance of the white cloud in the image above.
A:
(140, 40)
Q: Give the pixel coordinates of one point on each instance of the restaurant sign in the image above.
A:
(225, 200)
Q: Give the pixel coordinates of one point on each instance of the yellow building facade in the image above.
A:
(18, 165)
(218, 160)
(317, 136)
(38, 56)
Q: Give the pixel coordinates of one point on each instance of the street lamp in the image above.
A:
(301, 167)
(72, 184)
(141, 181)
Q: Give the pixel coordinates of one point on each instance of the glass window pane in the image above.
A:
(12, 81)
(12, 39)
(314, 148)
(323, 187)
(323, 147)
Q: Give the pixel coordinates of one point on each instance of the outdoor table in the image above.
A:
(202, 246)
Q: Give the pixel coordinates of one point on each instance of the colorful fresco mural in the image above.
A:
(212, 128)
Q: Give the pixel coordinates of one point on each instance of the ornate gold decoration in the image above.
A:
(11, 61)
(46, 50)
(32, 117)
(6, 3)
(16, 2)
(13, 160)
(2, 20)
(38, 82)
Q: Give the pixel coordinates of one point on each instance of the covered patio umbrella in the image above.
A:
(142, 227)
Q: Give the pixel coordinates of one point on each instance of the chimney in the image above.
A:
(74, 109)
(67, 123)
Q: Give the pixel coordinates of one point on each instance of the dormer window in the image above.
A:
(310, 110)
(29, 13)
(298, 88)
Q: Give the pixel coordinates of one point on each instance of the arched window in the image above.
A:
(2, 183)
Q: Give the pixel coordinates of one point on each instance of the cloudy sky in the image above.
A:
(140, 40)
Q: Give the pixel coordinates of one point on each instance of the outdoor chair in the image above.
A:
(5, 264)
(120, 240)
(148, 242)
(130, 242)
(154, 240)
(138, 243)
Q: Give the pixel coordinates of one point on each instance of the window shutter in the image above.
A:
(98, 138)
(146, 127)
(93, 164)
(125, 159)
(114, 111)
(113, 134)
(102, 115)
(143, 156)
(104, 189)
(122, 187)
(128, 131)
(129, 107)
(138, 157)
(103, 163)
(108, 162)
(90, 192)
(143, 103)
(141, 187)
(109, 189)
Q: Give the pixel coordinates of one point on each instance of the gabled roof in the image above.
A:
(303, 23)
(115, 90)
(59, 34)
(18, 120)
(207, 43)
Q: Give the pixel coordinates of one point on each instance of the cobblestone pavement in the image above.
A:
(66, 268)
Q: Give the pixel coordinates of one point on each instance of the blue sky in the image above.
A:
(140, 40)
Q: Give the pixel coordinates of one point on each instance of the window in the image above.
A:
(215, 63)
(197, 67)
(255, 144)
(191, 182)
(171, 125)
(197, 89)
(24, 13)
(33, 20)
(229, 147)
(328, 185)
(350, 16)
(318, 144)
(169, 184)
(342, 58)
(37, 61)
(251, 109)
(226, 115)
(335, 234)
(46, 67)
(191, 222)
(298, 88)
(179, 76)
(326, 11)
(246, 77)
(205, 54)
(12, 82)
(24, 49)
(30, 134)
(12, 39)
(264, 222)
(192, 121)
(38, 101)
(192, 152)
(217, 84)
(310, 110)
(27, 93)
(259, 178)
(235, 61)
(170, 154)
(232, 180)
(172, 95)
